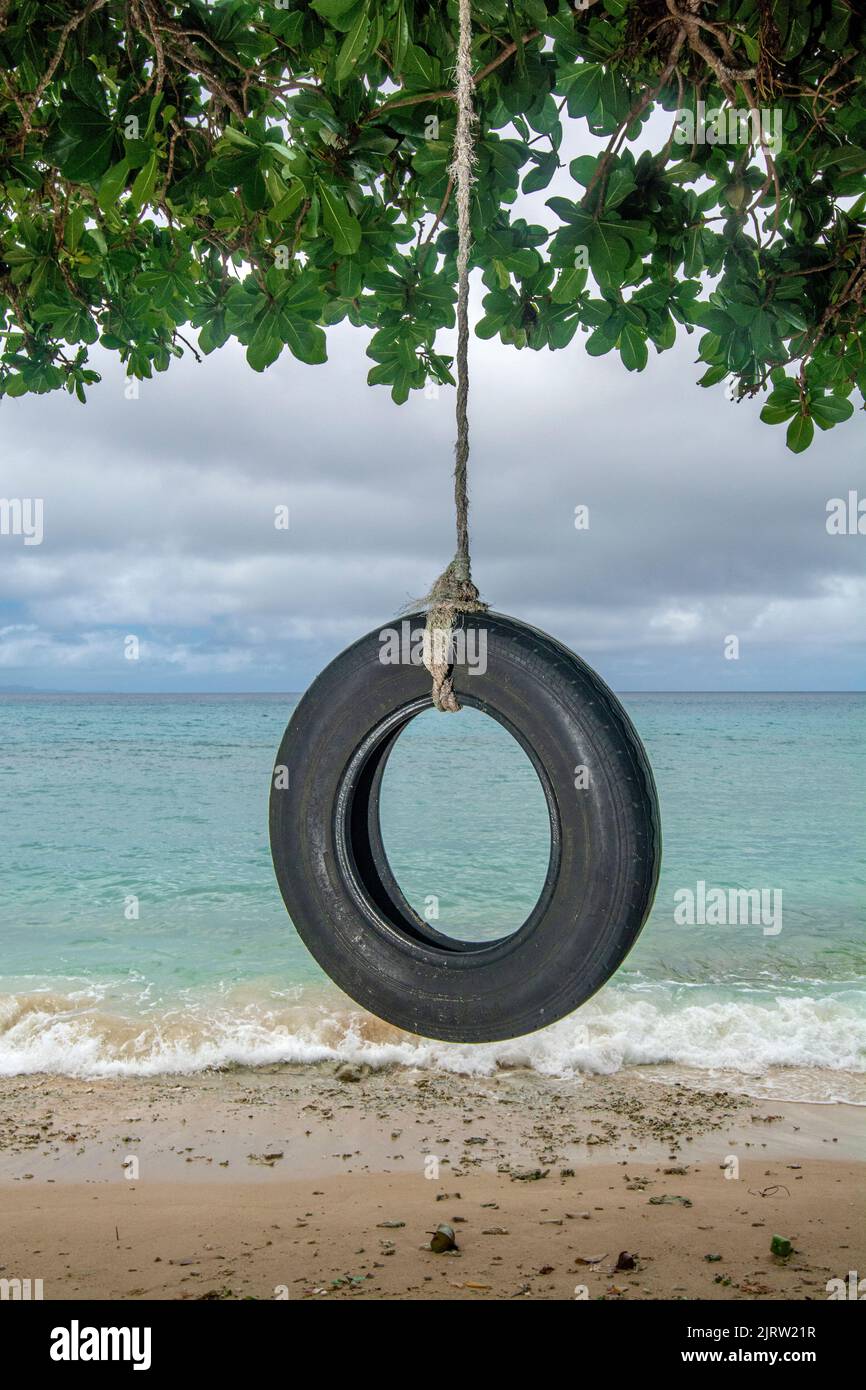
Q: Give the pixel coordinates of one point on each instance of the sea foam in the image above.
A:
(83, 1033)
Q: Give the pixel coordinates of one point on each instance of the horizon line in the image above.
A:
(47, 690)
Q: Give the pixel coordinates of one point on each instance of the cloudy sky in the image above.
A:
(159, 523)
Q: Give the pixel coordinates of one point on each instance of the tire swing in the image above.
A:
(326, 839)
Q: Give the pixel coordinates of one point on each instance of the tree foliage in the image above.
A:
(173, 175)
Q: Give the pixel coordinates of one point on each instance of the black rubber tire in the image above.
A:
(334, 875)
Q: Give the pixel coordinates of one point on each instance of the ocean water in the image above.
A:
(141, 929)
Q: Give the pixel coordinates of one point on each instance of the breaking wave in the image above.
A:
(89, 1030)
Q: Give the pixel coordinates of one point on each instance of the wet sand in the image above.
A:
(324, 1182)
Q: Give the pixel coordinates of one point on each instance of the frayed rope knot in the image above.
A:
(452, 593)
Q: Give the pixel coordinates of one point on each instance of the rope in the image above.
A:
(454, 592)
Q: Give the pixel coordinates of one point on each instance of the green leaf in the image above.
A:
(336, 12)
(785, 388)
(155, 103)
(340, 224)
(238, 138)
(145, 182)
(85, 82)
(613, 100)
(712, 377)
(583, 88)
(569, 285)
(693, 252)
(400, 38)
(112, 185)
(620, 185)
(540, 176)
(781, 403)
(85, 142)
(774, 415)
(306, 341)
(353, 45)
(633, 348)
(420, 69)
(609, 253)
(214, 333)
(800, 434)
(603, 339)
(583, 169)
(489, 326)
(828, 411)
(264, 349)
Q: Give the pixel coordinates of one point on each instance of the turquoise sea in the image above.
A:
(141, 928)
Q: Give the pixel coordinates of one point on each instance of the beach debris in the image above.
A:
(590, 1259)
(267, 1159)
(712, 1259)
(669, 1200)
(345, 1281)
(566, 1172)
(390, 1225)
(530, 1175)
(443, 1240)
(348, 1071)
(770, 1191)
(781, 1247)
(680, 1172)
(625, 1261)
(480, 1287)
(495, 1231)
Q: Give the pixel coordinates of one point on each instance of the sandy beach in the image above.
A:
(326, 1182)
